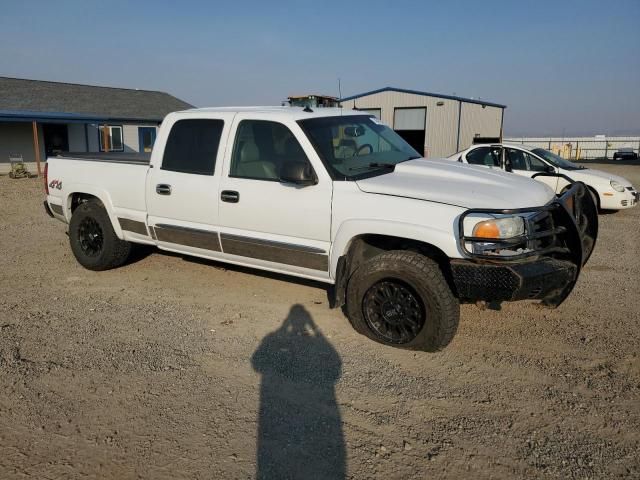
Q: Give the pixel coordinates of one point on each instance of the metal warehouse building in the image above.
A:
(436, 125)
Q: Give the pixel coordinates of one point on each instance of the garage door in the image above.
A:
(409, 118)
(410, 123)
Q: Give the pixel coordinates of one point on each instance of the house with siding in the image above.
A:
(40, 118)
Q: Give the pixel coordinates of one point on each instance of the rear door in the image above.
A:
(182, 188)
(525, 164)
(265, 222)
(488, 156)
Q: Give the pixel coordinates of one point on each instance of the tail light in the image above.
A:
(46, 178)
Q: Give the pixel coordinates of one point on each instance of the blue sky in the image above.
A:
(571, 66)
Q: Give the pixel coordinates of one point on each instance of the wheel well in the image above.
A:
(78, 198)
(595, 194)
(364, 247)
(591, 189)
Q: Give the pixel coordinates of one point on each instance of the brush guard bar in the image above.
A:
(562, 233)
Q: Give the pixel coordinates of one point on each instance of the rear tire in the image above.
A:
(93, 240)
(401, 298)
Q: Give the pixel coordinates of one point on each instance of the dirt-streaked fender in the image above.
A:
(444, 240)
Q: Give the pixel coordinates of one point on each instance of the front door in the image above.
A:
(146, 139)
(182, 188)
(265, 222)
(524, 164)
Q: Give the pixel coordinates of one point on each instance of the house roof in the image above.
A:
(22, 98)
(426, 94)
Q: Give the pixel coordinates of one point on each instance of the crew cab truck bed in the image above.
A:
(334, 196)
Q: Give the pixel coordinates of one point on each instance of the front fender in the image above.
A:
(445, 240)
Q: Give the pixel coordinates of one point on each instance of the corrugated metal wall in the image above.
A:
(442, 120)
(478, 121)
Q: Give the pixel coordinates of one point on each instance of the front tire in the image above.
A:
(402, 299)
(93, 240)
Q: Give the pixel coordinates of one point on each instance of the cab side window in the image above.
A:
(192, 146)
(261, 148)
(519, 160)
(516, 159)
(487, 156)
(536, 165)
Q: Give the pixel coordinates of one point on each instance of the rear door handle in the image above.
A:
(163, 189)
(230, 196)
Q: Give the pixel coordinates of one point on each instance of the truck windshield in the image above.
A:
(556, 160)
(354, 146)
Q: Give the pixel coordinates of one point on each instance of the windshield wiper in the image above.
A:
(373, 165)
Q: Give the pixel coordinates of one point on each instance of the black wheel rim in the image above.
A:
(90, 237)
(393, 311)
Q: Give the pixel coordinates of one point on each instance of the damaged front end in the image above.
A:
(542, 262)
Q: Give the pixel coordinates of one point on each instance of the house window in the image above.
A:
(113, 137)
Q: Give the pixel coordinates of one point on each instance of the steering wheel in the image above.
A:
(361, 147)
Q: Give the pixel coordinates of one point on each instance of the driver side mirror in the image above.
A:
(298, 173)
(550, 169)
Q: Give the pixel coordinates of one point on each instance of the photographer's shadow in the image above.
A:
(300, 429)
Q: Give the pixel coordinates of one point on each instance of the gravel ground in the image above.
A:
(175, 368)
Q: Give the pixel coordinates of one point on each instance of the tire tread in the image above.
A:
(446, 305)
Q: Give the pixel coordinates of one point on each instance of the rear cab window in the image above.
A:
(487, 156)
(192, 146)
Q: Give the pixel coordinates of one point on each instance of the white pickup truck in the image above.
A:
(335, 196)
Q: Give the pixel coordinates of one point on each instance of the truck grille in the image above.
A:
(565, 227)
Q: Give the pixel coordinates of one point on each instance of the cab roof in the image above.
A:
(291, 113)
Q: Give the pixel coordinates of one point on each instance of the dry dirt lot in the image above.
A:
(173, 368)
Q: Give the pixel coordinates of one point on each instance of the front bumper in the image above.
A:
(614, 200)
(528, 280)
(544, 263)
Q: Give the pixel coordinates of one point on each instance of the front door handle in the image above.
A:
(163, 189)
(230, 196)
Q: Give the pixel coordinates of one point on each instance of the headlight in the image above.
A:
(616, 186)
(506, 227)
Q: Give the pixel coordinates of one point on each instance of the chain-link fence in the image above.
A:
(582, 148)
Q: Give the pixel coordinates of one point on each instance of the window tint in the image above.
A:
(516, 159)
(192, 146)
(488, 156)
(520, 160)
(536, 165)
(260, 149)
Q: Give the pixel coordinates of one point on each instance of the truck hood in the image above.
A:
(586, 174)
(467, 186)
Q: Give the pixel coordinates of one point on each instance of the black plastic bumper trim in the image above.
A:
(532, 280)
(57, 209)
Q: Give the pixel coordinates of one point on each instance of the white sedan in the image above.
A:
(611, 192)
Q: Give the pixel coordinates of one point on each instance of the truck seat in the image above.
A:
(249, 164)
